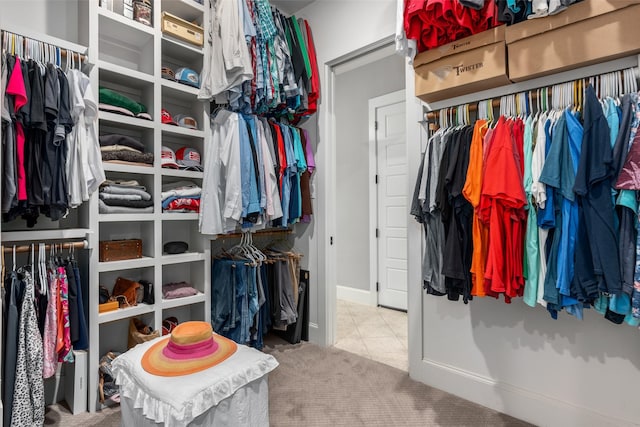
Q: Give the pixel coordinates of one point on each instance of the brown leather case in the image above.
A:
(116, 250)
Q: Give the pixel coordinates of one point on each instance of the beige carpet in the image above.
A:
(315, 386)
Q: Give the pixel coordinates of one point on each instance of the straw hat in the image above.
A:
(192, 347)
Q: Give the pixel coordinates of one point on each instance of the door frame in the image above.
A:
(396, 97)
(327, 257)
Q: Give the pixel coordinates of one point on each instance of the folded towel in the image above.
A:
(111, 97)
(105, 209)
(166, 202)
(112, 189)
(128, 156)
(184, 203)
(109, 148)
(129, 203)
(109, 196)
(178, 290)
(127, 141)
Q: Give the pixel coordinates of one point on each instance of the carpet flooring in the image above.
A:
(315, 386)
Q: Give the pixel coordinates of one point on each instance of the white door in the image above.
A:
(391, 199)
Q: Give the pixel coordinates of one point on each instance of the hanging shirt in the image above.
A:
(457, 251)
(273, 208)
(221, 197)
(471, 191)
(502, 209)
(593, 183)
(226, 58)
(531, 248)
(16, 89)
(539, 193)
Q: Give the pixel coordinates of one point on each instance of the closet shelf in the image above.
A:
(40, 235)
(126, 217)
(189, 10)
(182, 173)
(181, 302)
(179, 216)
(182, 258)
(127, 264)
(123, 121)
(124, 313)
(124, 29)
(123, 76)
(178, 50)
(171, 89)
(117, 167)
(178, 130)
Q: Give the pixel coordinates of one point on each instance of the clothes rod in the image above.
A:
(258, 233)
(63, 51)
(532, 94)
(495, 103)
(83, 244)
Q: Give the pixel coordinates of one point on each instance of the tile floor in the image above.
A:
(376, 333)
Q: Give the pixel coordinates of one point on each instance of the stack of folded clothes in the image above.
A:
(125, 150)
(124, 197)
(178, 290)
(182, 196)
(115, 102)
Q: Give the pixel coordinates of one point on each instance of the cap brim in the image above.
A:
(187, 166)
(170, 165)
(156, 363)
(172, 123)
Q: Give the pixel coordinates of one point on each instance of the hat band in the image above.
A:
(190, 351)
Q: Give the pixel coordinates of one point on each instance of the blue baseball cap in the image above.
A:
(187, 76)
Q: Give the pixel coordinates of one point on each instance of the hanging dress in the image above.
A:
(28, 392)
(51, 328)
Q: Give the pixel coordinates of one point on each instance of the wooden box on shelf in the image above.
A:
(108, 306)
(117, 250)
(182, 29)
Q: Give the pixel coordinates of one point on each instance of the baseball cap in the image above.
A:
(168, 159)
(167, 73)
(187, 76)
(188, 158)
(186, 121)
(167, 119)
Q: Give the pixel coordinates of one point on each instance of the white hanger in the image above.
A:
(42, 268)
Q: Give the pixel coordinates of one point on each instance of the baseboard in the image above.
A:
(515, 401)
(359, 296)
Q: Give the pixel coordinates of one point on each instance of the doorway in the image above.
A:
(388, 198)
(362, 326)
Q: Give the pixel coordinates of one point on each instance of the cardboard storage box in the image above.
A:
(465, 66)
(182, 29)
(586, 33)
(118, 250)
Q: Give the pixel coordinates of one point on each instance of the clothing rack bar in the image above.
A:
(77, 56)
(495, 103)
(83, 244)
(259, 233)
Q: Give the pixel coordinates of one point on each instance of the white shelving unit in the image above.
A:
(129, 57)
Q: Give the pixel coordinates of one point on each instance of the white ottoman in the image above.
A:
(232, 393)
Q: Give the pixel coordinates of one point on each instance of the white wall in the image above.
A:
(339, 27)
(507, 357)
(57, 18)
(353, 89)
(513, 358)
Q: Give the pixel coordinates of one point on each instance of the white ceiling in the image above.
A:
(291, 6)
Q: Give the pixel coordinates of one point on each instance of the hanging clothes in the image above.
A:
(255, 175)
(15, 290)
(593, 183)
(51, 160)
(28, 392)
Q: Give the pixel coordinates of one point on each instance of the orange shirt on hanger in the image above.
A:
(471, 191)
